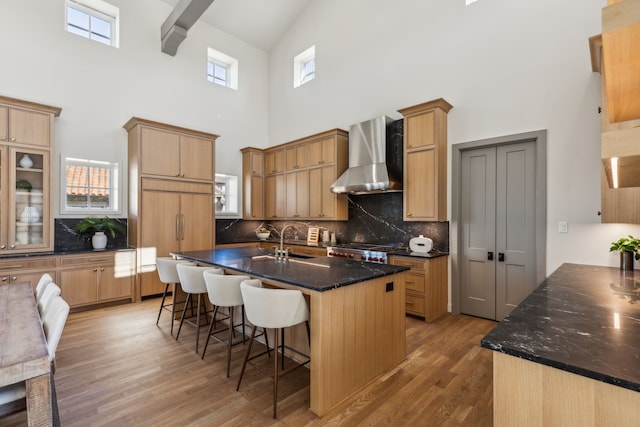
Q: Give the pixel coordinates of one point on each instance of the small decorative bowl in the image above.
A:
(263, 236)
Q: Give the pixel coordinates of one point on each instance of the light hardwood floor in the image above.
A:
(116, 368)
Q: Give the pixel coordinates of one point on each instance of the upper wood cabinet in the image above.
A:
(310, 166)
(274, 161)
(425, 161)
(26, 176)
(171, 151)
(28, 123)
(252, 183)
(618, 205)
(322, 151)
(296, 157)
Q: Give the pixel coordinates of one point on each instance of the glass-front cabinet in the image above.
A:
(26, 146)
(29, 197)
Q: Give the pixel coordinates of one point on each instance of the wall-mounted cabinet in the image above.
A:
(26, 174)
(297, 179)
(611, 56)
(252, 183)
(425, 161)
(168, 213)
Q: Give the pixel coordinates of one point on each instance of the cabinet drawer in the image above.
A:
(414, 304)
(414, 264)
(70, 261)
(27, 263)
(414, 282)
(304, 250)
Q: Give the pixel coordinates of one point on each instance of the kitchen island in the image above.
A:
(356, 315)
(569, 354)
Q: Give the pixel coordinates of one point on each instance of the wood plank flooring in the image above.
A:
(115, 367)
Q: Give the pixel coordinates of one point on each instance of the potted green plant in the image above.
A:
(629, 248)
(99, 226)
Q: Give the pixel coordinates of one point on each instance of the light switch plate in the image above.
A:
(563, 227)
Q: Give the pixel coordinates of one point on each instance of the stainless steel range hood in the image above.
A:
(375, 158)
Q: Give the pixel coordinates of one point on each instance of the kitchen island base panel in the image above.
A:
(370, 342)
(526, 393)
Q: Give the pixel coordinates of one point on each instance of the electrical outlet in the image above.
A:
(563, 227)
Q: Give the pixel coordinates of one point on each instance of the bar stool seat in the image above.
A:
(192, 283)
(274, 309)
(168, 275)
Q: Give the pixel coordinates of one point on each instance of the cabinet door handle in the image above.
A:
(13, 139)
(3, 247)
(177, 227)
(95, 269)
(14, 278)
(500, 257)
(181, 226)
(409, 302)
(409, 214)
(5, 278)
(490, 256)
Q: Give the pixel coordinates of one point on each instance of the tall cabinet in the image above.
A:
(26, 174)
(171, 195)
(425, 161)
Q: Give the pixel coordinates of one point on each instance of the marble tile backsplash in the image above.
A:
(373, 218)
(66, 240)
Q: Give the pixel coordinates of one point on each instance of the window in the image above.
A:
(89, 186)
(93, 19)
(304, 67)
(468, 2)
(222, 69)
(226, 195)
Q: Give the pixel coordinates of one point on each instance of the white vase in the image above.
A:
(26, 162)
(99, 240)
(30, 214)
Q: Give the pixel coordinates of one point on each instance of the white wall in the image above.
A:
(99, 87)
(506, 66)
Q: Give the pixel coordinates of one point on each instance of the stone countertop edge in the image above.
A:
(337, 272)
(65, 252)
(568, 323)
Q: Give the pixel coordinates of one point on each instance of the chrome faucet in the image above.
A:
(281, 253)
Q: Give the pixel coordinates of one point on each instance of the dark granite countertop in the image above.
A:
(67, 252)
(318, 274)
(582, 319)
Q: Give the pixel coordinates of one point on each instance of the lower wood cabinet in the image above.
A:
(23, 269)
(426, 285)
(95, 278)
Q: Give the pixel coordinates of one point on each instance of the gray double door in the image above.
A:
(497, 214)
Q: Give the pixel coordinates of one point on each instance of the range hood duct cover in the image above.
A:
(375, 158)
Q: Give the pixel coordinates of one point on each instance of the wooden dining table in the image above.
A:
(23, 350)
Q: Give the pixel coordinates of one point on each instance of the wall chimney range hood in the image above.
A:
(375, 158)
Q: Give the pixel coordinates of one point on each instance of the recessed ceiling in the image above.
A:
(260, 23)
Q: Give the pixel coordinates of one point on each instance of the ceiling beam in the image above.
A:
(175, 27)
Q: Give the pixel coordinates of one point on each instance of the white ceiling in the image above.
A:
(260, 23)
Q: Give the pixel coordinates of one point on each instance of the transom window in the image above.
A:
(90, 186)
(222, 69)
(304, 67)
(94, 20)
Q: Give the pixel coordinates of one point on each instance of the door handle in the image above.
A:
(490, 256)
(500, 257)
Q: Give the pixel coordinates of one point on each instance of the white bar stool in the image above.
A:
(224, 291)
(192, 282)
(168, 275)
(276, 309)
(45, 279)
